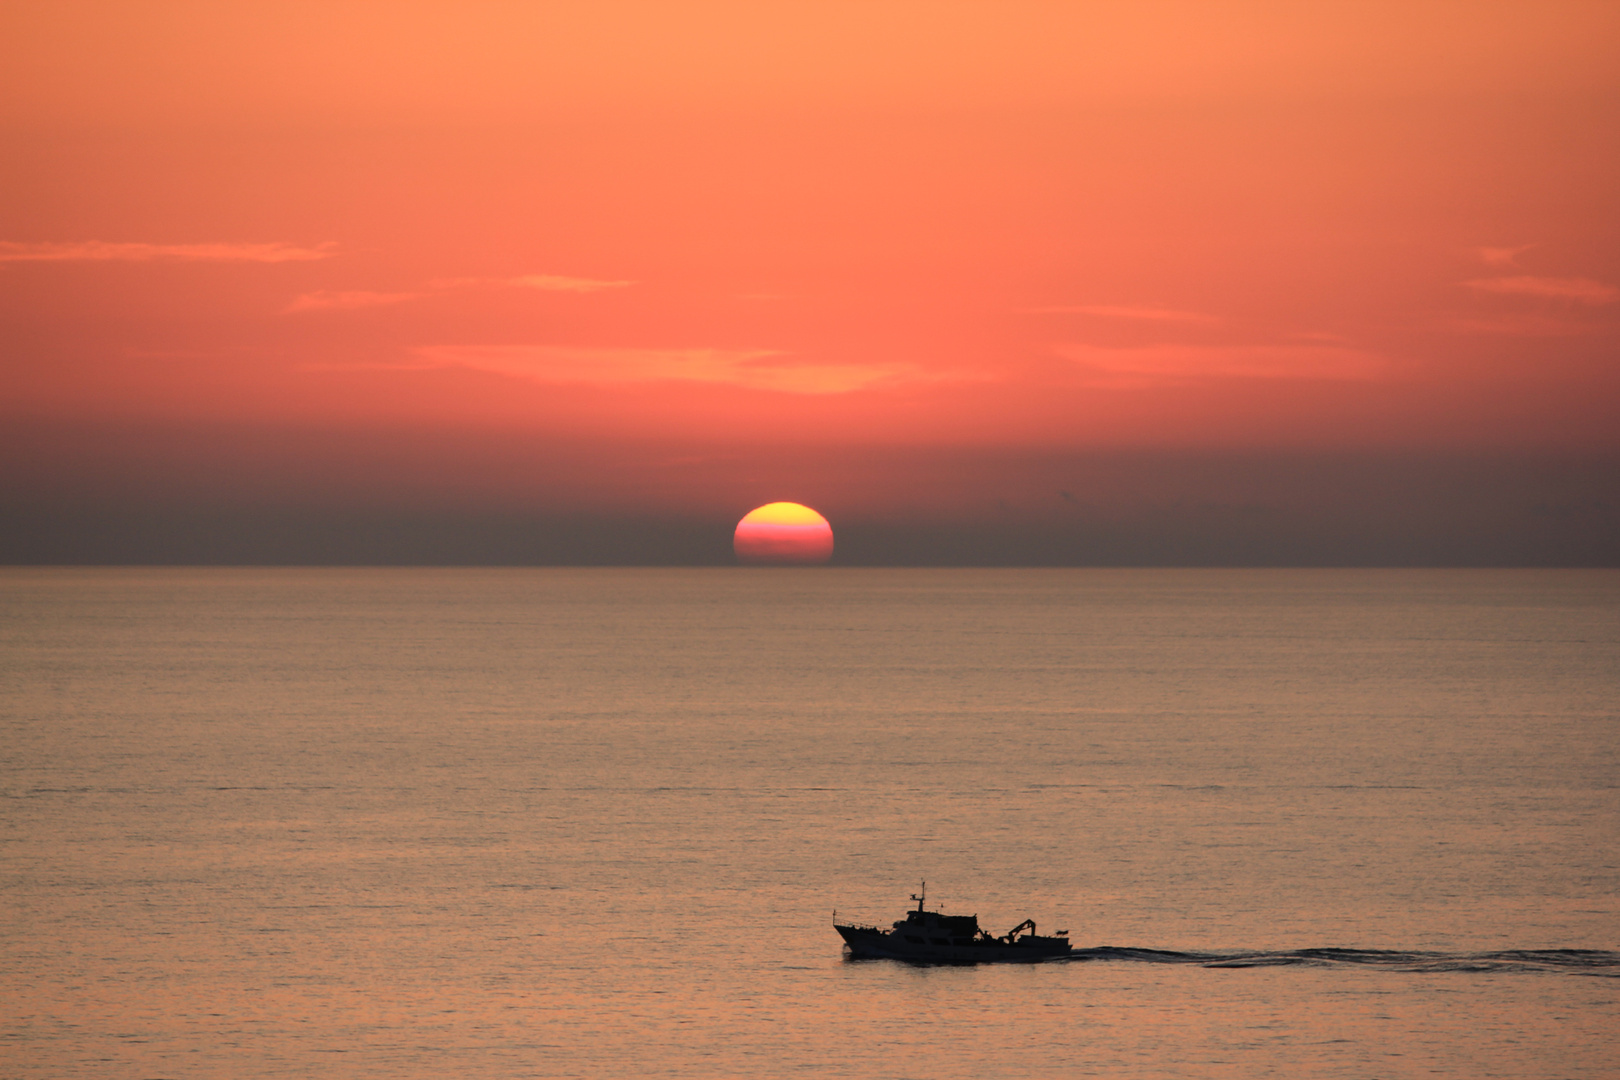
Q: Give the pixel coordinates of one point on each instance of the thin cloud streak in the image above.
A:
(324, 300)
(1513, 326)
(754, 369)
(543, 282)
(1501, 256)
(1580, 290)
(1151, 365)
(559, 283)
(101, 251)
(347, 300)
(1145, 314)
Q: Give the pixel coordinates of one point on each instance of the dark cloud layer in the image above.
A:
(304, 498)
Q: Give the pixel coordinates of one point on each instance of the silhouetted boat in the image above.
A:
(928, 937)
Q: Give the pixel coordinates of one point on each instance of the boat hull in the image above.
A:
(867, 942)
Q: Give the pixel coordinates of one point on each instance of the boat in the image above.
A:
(929, 937)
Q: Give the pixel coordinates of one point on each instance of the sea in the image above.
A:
(552, 822)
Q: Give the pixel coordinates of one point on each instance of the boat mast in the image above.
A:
(921, 897)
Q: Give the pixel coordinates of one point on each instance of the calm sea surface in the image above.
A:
(506, 823)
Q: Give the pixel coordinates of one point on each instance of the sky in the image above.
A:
(982, 282)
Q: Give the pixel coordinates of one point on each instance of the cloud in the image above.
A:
(557, 283)
(543, 282)
(1512, 325)
(324, 300)
(1147, 314)
(755, 369)
(1581, 290)
(327, 300)
(1162, 363)
(100, 251)
(1501, 256)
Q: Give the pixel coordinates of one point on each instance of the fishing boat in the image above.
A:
(929, 937)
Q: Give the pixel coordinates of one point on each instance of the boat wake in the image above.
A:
(1602, 963)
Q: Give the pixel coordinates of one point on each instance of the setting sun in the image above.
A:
(783, 533)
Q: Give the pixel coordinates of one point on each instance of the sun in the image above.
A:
(783, 534)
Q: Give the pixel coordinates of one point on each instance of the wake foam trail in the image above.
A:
(1601, 963)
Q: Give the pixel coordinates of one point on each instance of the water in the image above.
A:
(505, 823)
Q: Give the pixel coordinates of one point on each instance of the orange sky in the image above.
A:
(693, 228)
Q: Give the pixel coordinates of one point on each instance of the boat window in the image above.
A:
(914, 939)
(938, 941)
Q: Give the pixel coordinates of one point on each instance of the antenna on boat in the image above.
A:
(922, 897)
